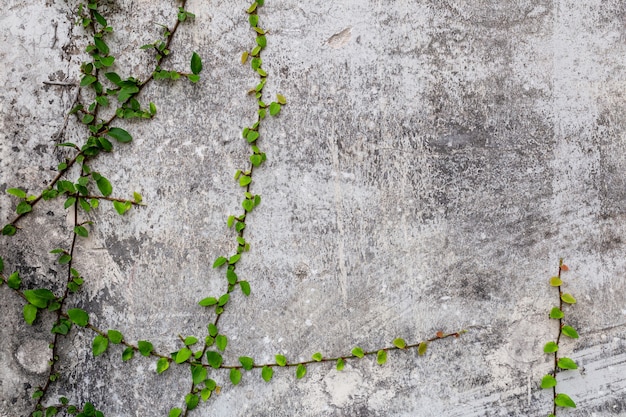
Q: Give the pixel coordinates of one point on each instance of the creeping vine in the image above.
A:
(103, 97)
(560, 362)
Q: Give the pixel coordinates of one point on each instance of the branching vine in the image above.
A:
(202, 355)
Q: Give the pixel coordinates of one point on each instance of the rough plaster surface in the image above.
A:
(435, 160)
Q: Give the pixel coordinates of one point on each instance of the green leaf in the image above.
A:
(568, 298)
(214, 359)
(219, 262)
(247, 362)
(563, 400)
(9, 230)
(280, 360)
(39, 298)
(198, 374)
(115, 337)
(300, 371)
(104, 186)
(266, 373)
(14, 280)
(381, 357)
(106, 61)
(102, 47)
(210, 384)
(317, 356)
(145, 347)
(235, 376)
(556, 282)
(556, 313)
(120, 135)
(78, 316)
(340, 364)
(162, 365)
(30, 313)
(566, 363)
(245, 287)
(256, 160)
(122, 208)
(205, 394)
(281, 99)
(252, 136)
(231, 276)
(183, 355)
(221, 342)
(223, 300)
(399, 343)
(17, 192)
(569, 331)
(548, 381)
(175, 412)
(114, 78)
(190, 340)
(261, 41)
(128, 354)
(252, 7)
(213, 331)
(209, 301)
(81, 231)
(193, 78)
(550, 347)
(87, 80)
(69, 202)
(100, 345)
(248, 205)
(245, 180)
(421, 349)
(196, 63)
(358, 352)
(1, 264)
(274, 108)
(253, 19)
(23, 207)
(64, 259)
(191, 400)
(99, 18)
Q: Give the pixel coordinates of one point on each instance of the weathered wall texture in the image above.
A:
(435, 160)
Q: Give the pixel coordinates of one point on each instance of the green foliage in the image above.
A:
(300, 371)
(115, 337)
(145, 347)
(214, 359)
(100, 85)
(563, 400)
(381, 357)
(30, 313)
(78, 317)
(553, 348)
(281, 360)
(99, 345)
(358, 352)
(162, 365)
(235, 376)
(267, 373)
(548, 381)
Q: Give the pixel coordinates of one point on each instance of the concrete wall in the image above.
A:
(434, 162)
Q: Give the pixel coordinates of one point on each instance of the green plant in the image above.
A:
(82, 195)
(561, 363)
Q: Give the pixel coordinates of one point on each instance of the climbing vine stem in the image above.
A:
(560, 363)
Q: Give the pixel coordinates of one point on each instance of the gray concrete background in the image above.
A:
(435, 160)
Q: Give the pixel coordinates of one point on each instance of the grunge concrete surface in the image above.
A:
(434, 162)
